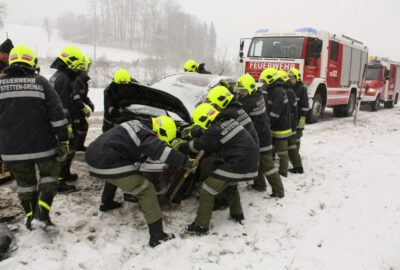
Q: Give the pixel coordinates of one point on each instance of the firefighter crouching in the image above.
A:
(227, 138)
(254, 104)
(302, 107)
(114, 157)
(294, 156)
(114, 104)
(279, 112)
(33, 129)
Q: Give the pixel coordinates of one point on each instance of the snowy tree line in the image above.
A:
(156, 27)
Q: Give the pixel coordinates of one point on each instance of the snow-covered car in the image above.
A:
(177, 96)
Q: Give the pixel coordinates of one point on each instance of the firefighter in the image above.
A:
(114, 103)
(82, 105)
(67, 64)
(114, 157)
(33, 130)
(294, 156)
(5, 49)
(279, 112)
(254, 104)
(192, 66)
(227, 138)
(302, 107)
(223, 100)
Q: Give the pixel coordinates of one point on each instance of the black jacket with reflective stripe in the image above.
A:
(31, 116)
(292, 106)
(302, 99)
(229, 140)
(254, 105)
(118, 152)
(235, 111)
(62, 82)
(278, 111)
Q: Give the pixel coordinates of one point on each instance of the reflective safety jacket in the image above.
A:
(119, 151)
(230, 141)
(292, 106)
(62, 83)
(31, 116)
(302, 99)
(254, 105)
(235, 111)
(279, 111)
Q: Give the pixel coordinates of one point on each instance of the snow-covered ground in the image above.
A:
(343, 213)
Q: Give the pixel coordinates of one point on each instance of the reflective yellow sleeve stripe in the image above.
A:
(44, 205)
(29, 214)
(282, 132)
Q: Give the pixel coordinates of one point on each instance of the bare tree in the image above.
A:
(48, 28)
(3, 13)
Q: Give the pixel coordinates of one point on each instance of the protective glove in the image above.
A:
(176, 143)
(193, 131)
(302, 122)
(63, 150)
(86, 111)
(192, 165)
(91, 106)
(70, 131)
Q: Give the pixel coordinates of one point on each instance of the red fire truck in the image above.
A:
(331, 66)
(382, 83)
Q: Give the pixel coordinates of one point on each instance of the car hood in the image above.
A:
(149, 96)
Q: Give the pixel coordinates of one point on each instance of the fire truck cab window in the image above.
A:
(277, 47)
(372, 73)
(334, 51)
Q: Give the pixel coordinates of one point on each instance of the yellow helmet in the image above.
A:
(295, 73)
(204, 115)
(220, 96)
(72, 57)
(23, 54)
(165, 128)
(283, 75)
(84, 64)
(247, 83)
(269, 75)
(191, 66)
(122, 76)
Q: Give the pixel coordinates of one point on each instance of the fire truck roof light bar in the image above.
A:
(262, 30)
(352, 39)
(307, 29)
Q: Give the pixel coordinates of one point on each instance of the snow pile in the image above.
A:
(343, 213)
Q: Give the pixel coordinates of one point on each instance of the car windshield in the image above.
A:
(276, 47)
(190, 88)
(372, 73)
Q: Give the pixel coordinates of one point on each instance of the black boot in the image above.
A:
(107, 198)
(65, 188)
(298, 170)
(30, 208)
(238, 218)
(69, 177)
(275, 195)
(257, 188)
(196, 229)
(157, 235)
(44, 203)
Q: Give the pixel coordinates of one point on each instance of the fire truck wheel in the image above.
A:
(317, 109)
(389, 104)
(346, 110)
(375, 106)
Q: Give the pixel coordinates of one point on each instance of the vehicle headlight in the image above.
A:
(371, 90)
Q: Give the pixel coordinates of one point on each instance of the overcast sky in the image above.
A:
(375, 22)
